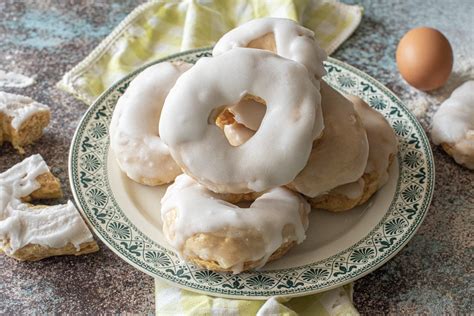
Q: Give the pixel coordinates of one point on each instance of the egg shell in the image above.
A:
(425, 58)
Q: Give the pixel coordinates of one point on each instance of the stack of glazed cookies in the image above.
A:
(259, 137)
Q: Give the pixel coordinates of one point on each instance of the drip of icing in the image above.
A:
(283, 139)
(199, 210)
(453, 124)
(135, 122)
(52, 226)
(5, 197)
(291, 41)
(21, 224)
(19, 107)
(14, 80)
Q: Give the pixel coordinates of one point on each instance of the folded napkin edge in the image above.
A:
(346, 33)
(67, 81)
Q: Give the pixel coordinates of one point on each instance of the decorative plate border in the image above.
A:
(92, 192)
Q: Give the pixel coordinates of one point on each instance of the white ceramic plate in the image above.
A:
(339, 247)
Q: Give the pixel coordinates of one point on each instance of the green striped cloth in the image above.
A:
(160, 28)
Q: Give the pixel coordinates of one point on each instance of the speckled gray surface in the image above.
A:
(433, 274)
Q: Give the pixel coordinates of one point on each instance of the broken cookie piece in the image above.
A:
(453, 125)
(33, 232)
(22, 120)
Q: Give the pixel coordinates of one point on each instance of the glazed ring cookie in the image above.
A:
(284, 138)
(453, 125)
(218, 235)
(383, 146)
(282, 36)
(134, 136)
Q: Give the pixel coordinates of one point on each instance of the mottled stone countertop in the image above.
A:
(433, 274)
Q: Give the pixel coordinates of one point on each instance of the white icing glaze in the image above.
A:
(20, 224)
(455, 117)
(283, 139)
(199, 210)
(19, 107)
(134, 135)
(382, 144)
(20, 181)
(292, 41)
(453, 124)
(52, 226)
(14, 80)
(340, 156)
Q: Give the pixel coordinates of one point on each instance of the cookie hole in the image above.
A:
(243, 204)
(240, 121)
(265, 42)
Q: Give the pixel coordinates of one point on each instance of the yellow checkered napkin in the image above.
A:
(160, 28)
(173, 301)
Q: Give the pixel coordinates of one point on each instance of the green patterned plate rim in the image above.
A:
(414, 190)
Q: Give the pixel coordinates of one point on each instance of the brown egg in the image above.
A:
(425, 58)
